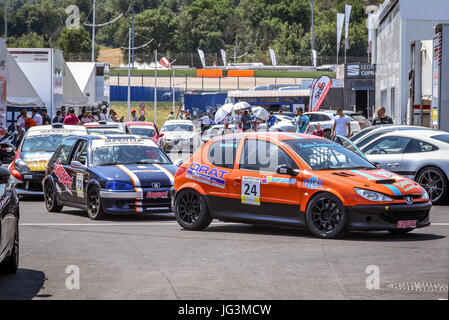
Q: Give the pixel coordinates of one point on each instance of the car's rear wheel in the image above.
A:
(94, 207)
(191, 210)
(435, 182)
(326, 216)
(11, 263)
(50, 198)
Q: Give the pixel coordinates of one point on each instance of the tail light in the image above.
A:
(180, 171)
(361, 123)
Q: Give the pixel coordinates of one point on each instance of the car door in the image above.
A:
(416, 152)
(260, 191)
(77, 169)
(58, 165)
(388, 151)
(5, 226)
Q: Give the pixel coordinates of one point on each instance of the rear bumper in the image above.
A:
(383, 217)
(31, 184)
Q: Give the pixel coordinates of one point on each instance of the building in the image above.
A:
(397, 24)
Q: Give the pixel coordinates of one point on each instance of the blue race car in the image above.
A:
(119, 174)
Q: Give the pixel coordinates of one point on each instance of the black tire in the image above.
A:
(401, 231)
(326, 216)
(191, 210)
(11, 264)
(435, 182)
(94, 206)
(50, 198)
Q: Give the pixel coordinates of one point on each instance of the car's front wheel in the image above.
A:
(435, 182)
(94, 206)
(326, 216)
(191, 210)
(51, 203)
(11, 263)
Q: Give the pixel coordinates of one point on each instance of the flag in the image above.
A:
(203, 59)
(223, 56)
(370, 26)
(340, 21)
(273, 57)
(347, 17)
(164, 61)
(314, 57)
(320, 88)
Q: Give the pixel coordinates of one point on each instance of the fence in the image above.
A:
(120, 93)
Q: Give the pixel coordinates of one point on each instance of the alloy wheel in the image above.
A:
(189, 208)
(326, 215)
(433, 182)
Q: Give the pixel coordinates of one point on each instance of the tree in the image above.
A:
(29, 40)
(75, 41)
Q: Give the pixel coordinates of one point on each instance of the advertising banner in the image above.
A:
(202, 57)
(340, 21)
(273, 57)
(347, 18)
(319, 92)
(223, 56)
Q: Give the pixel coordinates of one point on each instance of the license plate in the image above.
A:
(28, 177)
(406, 224)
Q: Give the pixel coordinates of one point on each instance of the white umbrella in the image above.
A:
(223, 111)
(260, 113)
(241, 105)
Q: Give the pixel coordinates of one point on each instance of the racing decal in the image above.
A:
(313, 183)
(110, 142)
(139, 206)
(251, 191)
(47, 132)
(37, 166)
(395, 190)
(63, 176)
(157, 195)
(207, 175)
(406, 185)
(134, 178)
(387, 174)
(80, 185)
(270, 179)
(167, 173)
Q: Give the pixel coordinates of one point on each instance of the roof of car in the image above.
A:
(108, 136)
(422, 133)
(103, 124)
(178, 122)
(280, 136)
(139, 123)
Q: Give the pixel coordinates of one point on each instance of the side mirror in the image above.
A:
(77, 165)
(284, 169)
(377, 165)
(161, 135)
(178, 162)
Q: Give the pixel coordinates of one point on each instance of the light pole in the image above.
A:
(93, 32)
(6, 19)
(129, 74)
(312, 30)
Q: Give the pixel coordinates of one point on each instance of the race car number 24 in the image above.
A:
(251, 191)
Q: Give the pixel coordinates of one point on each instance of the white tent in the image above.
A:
(19, 91)
(73, 96)
(84, 75)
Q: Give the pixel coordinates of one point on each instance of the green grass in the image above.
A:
(163, 110)
(192, 73)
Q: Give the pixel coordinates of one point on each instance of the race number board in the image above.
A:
(251, 191)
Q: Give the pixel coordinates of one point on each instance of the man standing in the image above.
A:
(246, 121)
(342, 124)
(134, 117)
(271, 120)
(71, 119)
(103, 114)
(36, 116)
(302, 121)
(205, 122)
(382, 118)
(45, 118)
(20, 124)
(171, 116)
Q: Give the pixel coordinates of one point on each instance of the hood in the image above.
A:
(36, 161)
(179, 135)
(139, 175)
(378, 180)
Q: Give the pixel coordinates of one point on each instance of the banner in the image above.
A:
(223, 56)
(3, 77)
(319, 91)
(164, 61)
(314, 58)
(347, 17)
(203, 59)
(340, 22)
(273, 57)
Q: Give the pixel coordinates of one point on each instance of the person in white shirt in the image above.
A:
(36, 117)
(20, 124)
(342, 124)
(205, 122)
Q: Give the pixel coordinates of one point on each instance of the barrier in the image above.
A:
(120, 93)
(209, 73)
(241, 73)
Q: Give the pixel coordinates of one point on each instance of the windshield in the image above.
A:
(128, 154)
(327, 155)
(106, 131)
(362, 133)
(177, 127)
(143, 131)
(48, 143)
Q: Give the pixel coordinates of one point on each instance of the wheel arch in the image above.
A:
(428, 165)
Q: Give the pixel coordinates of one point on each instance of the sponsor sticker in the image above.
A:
(63, 177)
(80, 185)
(314, 183)
(251, 191)
(157, 195)
(205, 174)
(270, 179)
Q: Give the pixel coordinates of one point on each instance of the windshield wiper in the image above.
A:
(109, 164)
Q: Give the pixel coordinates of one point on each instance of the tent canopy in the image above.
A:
(82, 72)
(73, 96)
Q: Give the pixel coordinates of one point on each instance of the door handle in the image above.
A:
(237, 180)
(393, 165)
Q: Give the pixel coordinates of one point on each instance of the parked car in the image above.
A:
(36, 148)
(105, 127)
(180, 135)
(420, 155)
(363, 122)
(118, 174)
(147, 130)
(369, 134)
(217, 130)
(9, 224)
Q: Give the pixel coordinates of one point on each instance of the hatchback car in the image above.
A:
(420, 155)
(104, 127)
(294, 180)
(180, 135)
(146, 130)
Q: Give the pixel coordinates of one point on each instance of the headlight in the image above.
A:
(424, 194)
(372, 195)
(115, 185)
(21, 166)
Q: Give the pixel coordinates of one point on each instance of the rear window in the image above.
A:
(442, 138)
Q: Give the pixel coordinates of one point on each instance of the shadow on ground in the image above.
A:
(23, 285)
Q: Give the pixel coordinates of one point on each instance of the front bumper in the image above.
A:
(146, 201)
(178, 144)
(31, 185)
(386, 217)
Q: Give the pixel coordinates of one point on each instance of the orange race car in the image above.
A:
(294, 180)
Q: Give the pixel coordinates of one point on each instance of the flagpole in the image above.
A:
(174, 77)
(129, 74)
(93, 32)
(155, 87)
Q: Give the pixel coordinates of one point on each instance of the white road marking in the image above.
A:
(143, 223)
(440, 224)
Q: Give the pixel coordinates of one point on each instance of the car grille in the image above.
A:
(395, 216)
(401, 197)
(153, 205)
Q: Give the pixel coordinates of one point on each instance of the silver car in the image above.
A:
(421, 155)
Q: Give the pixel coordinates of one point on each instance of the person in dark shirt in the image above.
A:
(382, 118)
(246, 121)
(57, 117)
(45, 118)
